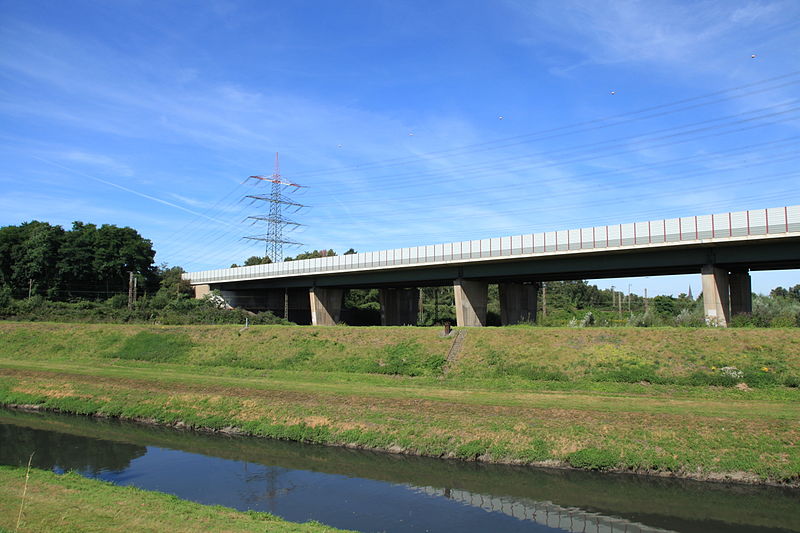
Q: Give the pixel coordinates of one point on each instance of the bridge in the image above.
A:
(723, 248)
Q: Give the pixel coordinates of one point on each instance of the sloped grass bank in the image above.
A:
(405, 351)
(685, 356)
(382, 388)
(71, 502)
(681, 356)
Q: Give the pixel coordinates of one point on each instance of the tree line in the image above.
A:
(86, 261)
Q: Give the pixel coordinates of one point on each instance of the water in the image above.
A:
(368, 491)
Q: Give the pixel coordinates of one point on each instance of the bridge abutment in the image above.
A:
(326, 305)
(518, 302)
(471, 297)
(741, 293)
(399, 307)
(200, 291)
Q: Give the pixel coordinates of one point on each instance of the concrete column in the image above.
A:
(326, 305)
(471, 299)
(716, 300)
(741, 293)
(200, 291)
(399, 307)
(518, 302)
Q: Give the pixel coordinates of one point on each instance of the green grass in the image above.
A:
(71, 502)
(516, 395)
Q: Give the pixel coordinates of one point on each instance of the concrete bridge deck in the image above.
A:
(723, 247)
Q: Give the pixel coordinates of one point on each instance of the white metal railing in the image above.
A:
(761, 222)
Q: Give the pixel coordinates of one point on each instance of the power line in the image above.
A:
(599, 147)
(471, 148)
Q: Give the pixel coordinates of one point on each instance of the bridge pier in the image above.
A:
(326, 305)
(741, 293)
(518, 302)
(399, 307)
(716, 295)
(471, 297)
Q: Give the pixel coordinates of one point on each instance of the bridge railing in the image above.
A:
(777, 220)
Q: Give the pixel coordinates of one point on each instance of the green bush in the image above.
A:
(593, 459)
(791, 380)
(6, 299)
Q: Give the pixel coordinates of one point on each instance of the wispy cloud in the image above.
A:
(693, 35)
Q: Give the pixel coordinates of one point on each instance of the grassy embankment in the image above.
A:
(71, 502)
(644, 400)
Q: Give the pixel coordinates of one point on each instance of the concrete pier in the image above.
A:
(518, 302)
(741, 293)
(471, 297)
(326, 305)
(716, 299)
(399, 307)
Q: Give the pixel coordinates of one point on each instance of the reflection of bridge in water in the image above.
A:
(548, 514)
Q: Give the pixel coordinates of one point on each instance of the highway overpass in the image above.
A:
(722, 247)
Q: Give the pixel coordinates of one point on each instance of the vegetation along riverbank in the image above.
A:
(701, 403)
(70, 502)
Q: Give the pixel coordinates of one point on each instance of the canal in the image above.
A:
(370, 491)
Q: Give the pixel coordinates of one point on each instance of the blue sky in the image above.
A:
(152, 114)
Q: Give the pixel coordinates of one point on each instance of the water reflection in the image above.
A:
(548, 514)
(64, 452)
(376, 492)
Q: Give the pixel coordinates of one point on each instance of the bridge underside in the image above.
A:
(724, 268)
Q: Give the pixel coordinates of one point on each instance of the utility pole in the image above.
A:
(286, 303)
(130, 289)
(544, 298)
(645, 300)
(613, 298)
(275, 220)
(435, 305)
(629, 300)
(421, 319)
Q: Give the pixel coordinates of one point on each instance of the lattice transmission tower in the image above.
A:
(276, 222)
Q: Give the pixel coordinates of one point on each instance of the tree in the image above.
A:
(171, 281)
(256, 260)
(665, 305)
(119, 251)
(312, 255)
(35, 257)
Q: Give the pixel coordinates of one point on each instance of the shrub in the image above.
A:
(647, 319)
(791, 380)
(6, 299)
(593, 459)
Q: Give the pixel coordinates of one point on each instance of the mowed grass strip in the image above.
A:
(578, 429)
(71, 502)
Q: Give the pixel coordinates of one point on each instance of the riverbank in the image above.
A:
(71, 502)
(332, 386)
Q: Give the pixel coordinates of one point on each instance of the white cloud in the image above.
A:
(97, 160)
(694, 35)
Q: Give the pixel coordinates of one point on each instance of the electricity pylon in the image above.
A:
(275, 220)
